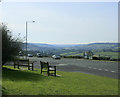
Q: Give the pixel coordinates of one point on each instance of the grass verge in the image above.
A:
(26, 82)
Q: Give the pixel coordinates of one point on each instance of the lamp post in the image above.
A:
(26, 33)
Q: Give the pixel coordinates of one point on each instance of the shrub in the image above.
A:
(10, 45)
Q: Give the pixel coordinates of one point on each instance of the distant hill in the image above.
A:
(43, 45)
(52, 47)
(39, 47)
(98, 46)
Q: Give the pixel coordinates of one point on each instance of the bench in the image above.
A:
(23, 62)
(45, 67)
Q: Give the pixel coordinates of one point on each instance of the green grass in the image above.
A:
(72, 54)
(111, 54)
(26, 82)
(69, 53)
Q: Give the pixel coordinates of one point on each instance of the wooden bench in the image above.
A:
(45, 67)
(24, 62)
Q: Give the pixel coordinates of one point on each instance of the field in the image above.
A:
(113, 55)
(72, 54)
(24, 82)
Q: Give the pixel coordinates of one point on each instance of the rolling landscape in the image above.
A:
(105, 49)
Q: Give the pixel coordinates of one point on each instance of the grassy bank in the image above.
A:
(24, 82)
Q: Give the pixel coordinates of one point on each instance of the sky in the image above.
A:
(62, 22)
(60, 0)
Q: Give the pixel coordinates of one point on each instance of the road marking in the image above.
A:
(89, 67)
(112, 71)
(61, 64)
(106, 70)
(101, 69)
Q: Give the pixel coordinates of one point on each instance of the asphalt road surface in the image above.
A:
(102, 68)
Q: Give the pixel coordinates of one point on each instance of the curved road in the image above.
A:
(102, 68)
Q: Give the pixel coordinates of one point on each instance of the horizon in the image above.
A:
(71, 43)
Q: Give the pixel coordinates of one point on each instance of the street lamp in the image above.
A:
(26, 34)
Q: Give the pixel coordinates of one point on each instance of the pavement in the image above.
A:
(95, 67)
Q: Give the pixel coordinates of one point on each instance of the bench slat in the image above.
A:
(45, 67)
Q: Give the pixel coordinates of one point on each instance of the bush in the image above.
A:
(101, 58)
(10, 45)
(72, 56)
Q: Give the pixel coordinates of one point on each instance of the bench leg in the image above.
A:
(32, 67)
(48, 72)
(28, 67)
(55, 72)
(18, 67)
(41, 70)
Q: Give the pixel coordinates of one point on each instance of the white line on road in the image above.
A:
(112, 71)
(89, 67)
(100, 69)
(106, 70)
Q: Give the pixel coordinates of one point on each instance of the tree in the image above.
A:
(10, 45)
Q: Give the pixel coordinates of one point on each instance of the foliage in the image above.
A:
(10, 45)
(24, 82)
(110, 54)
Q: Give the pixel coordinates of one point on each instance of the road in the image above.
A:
(102, 68)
